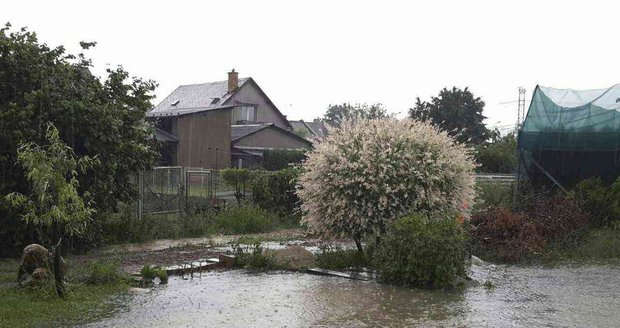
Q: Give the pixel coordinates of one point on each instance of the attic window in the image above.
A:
(215, 100)
(175, 103)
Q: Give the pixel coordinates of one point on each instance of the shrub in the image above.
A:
(422, 251)
(559, 218)
(601, 201)
(239, 179)
(507, 236)
(499, 155)
(339, 259)
(492, 194)
(104, 272)
(244, 219)
(276, 192)
(257, 259)
(277, 159)
(365, 175)
(501, 234)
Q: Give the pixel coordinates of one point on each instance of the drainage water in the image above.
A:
(530, 296)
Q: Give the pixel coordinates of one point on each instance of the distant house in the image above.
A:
(200, 124)
(309, 130)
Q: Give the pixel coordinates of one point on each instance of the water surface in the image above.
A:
(530, 296)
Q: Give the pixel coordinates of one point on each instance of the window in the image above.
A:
(244, 113)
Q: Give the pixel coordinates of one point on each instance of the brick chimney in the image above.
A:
(233, 80)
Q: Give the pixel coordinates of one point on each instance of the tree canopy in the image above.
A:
(96, 117)
(336, 114)
(368, 173)
(456, 111)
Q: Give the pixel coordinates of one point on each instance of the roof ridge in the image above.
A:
(213, 82)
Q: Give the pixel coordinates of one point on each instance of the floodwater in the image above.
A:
(523, 296)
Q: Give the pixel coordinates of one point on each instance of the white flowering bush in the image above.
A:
(368, 173)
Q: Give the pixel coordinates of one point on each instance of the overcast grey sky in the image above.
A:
(306, 55)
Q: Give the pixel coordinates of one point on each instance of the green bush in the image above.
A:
(499, 155)
(244, 219)
(340, 259)
(492, 194)
(239, 179)
(421, 251)
(602, 202)
(276, 159)
(104, 272)
(257, 259)
(276, 193)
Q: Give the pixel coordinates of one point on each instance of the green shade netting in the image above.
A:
(572, 134)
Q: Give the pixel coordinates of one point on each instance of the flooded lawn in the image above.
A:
(563, 296)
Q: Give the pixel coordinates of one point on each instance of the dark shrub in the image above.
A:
(602, 202)
(339, 259)
(276, 159)
(504, 235)
(558, 218)
(276, 192)
(421, 251)
(239, 179)
(499, 155)
(244, 219)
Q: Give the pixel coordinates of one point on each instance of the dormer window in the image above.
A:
(176, 102)
(245, 113)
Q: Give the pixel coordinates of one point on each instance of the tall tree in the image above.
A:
(336, 114)
(456, 111)
(102, 118)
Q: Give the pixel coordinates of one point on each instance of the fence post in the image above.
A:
(140, 193)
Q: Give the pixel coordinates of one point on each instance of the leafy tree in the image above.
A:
(499, 155)
(368, 173)
(336, 114)
(456, 111)
(54, 203)
(238, 178)
(103, 118)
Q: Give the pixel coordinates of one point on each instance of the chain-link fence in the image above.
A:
(168, 189)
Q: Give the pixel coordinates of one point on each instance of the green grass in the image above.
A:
(40, 307)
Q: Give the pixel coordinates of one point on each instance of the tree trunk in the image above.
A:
(358, 243)
(58, 278)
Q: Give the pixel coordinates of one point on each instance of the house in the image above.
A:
(206, 125)
(309, 130)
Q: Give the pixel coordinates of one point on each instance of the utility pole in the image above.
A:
(520, 120)
(521, 107)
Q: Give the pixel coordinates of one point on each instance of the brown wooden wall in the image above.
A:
(201, 131)
(272, 138)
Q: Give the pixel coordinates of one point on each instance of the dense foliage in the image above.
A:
(499, 154)
(456, 111)
(239, 179)
(601, 201)
(423, 251)
(54, 206)
(368, 173)
(102, 118)
(244, 219)
(278, 159)
(336, 114)
(509, 236)
(276, 192)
